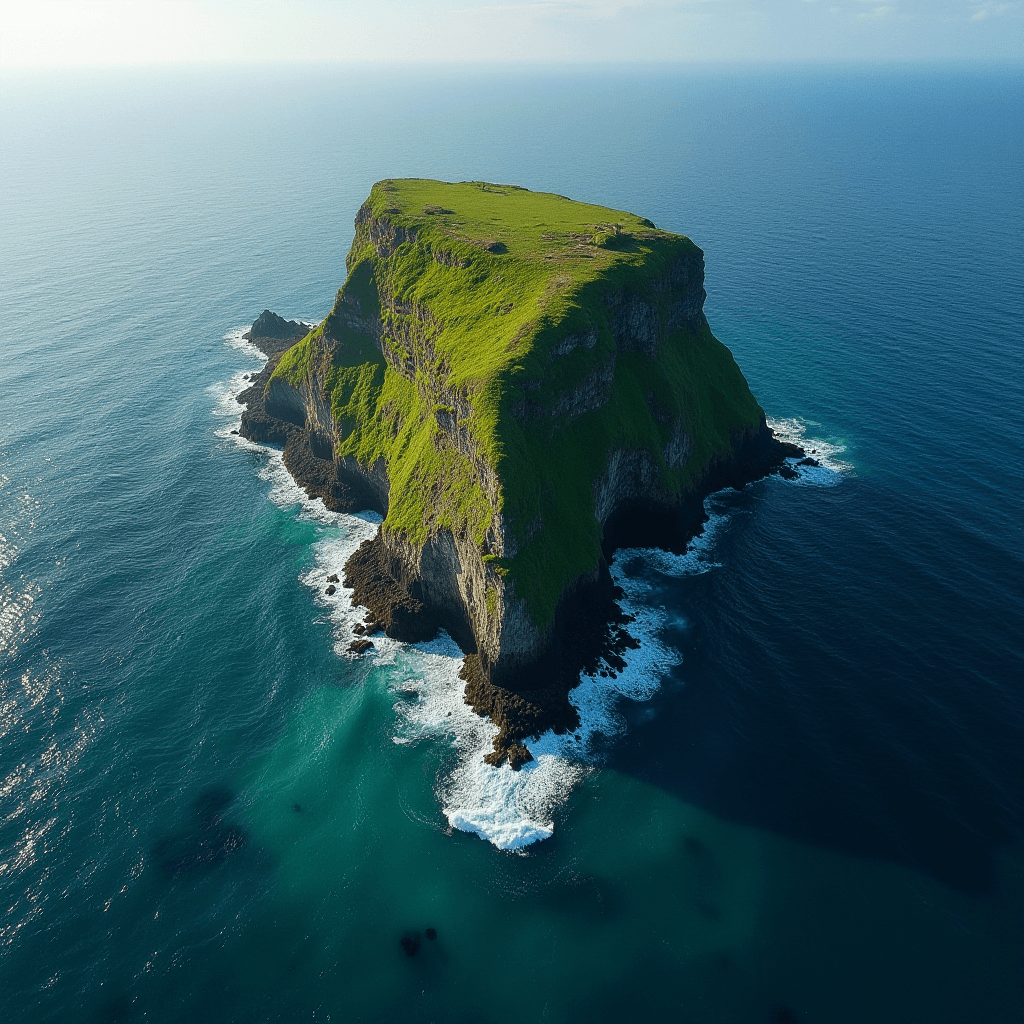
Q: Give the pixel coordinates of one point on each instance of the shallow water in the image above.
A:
(802, 798)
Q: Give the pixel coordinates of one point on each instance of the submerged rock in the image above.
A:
(206, 839)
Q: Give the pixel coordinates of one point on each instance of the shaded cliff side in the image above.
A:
(519, 384)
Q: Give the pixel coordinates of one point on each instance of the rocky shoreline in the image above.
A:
(590, 632)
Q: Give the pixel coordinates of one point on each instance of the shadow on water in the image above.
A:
(206, 839)
(768, 775)
(799, 710)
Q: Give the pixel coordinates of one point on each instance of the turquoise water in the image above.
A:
(804, 800)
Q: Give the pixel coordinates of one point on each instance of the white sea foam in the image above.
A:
(236, 341)
(830, 469)
(225, 393)
(509, 809)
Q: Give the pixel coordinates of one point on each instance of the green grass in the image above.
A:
(495, 277)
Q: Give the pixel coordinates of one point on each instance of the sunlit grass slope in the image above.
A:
(478, 287)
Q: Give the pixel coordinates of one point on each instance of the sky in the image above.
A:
(113, 33)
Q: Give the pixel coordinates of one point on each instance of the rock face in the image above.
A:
(273, 334)
(519, 384)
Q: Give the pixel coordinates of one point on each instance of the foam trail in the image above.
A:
(226, 406)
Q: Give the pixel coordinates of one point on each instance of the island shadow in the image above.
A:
(830, 731)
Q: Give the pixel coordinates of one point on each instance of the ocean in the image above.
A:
(803, 800)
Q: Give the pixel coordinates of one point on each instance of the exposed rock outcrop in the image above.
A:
(273, 334)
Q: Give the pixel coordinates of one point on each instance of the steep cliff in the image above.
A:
(519, 383)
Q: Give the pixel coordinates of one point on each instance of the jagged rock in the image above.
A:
(273, 334)
(358, 646)
(517, 755)
(332, 589)
(333, 578)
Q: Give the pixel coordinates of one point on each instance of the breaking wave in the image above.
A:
(831, 469)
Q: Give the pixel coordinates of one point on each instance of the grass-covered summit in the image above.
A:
(512, 377)
(497, 337)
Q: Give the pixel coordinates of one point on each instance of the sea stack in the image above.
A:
(519, 384)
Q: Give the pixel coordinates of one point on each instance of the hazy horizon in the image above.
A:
(124, 33)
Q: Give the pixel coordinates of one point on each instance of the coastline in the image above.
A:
(590, 634)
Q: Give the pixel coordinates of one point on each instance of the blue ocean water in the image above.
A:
(803, 801)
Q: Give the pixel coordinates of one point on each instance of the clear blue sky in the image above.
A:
(61, 33)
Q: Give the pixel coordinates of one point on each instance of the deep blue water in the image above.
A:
(815, 811)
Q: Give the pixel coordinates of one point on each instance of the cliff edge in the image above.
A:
(519, 384)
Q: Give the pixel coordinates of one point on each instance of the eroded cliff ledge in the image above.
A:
(519, 384)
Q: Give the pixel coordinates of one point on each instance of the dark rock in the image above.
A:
(234, 431)
(358, 646)
(333, 578)
(273, 334)
(332, 589)
(410, 943)
(431, 934)
(380, 584)
(359, 629)
(591, 631)
(808, 462)
(517, 755)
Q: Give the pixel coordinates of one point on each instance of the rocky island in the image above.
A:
(519, 384)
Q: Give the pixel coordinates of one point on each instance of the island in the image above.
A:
(519, 384)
